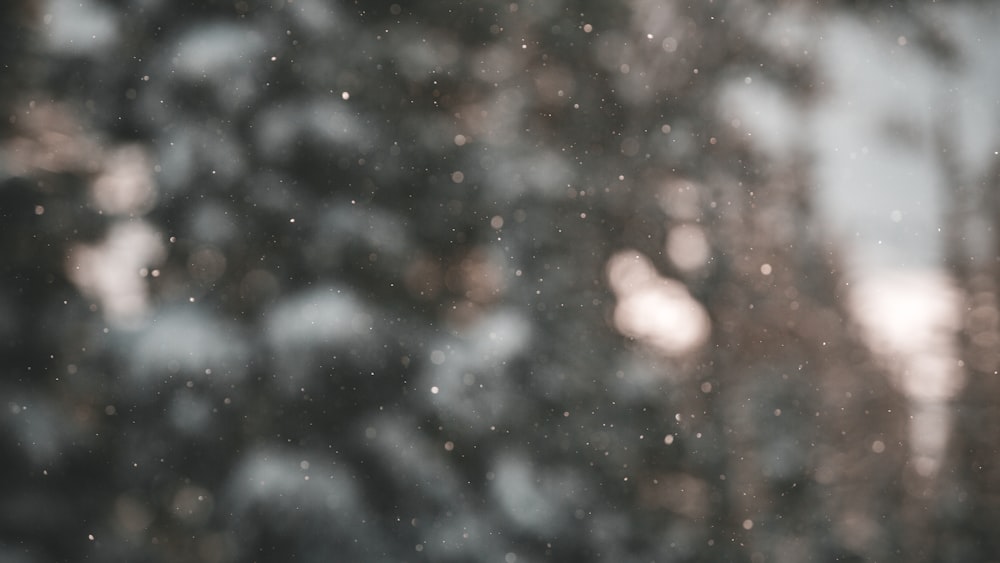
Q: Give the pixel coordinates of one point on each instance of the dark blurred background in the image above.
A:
(322, 280)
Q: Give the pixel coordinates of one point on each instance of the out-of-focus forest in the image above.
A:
(318, 280)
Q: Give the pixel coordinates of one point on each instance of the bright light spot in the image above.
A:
(910, 320)
(878, 446)
(747, 524)
(668, 439)
(460, 140)
(125, 185)
(765, 269)
(345, 95)
(913, 316)
(687, 247)
(496, 222)
(587, 28)
(435, 390)
(449, 445)
(656, 310)
(457, 176)
(109, 271)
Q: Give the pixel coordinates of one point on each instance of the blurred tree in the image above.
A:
(964, 494)
(324, 280)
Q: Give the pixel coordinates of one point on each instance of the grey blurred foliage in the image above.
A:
(363, 310)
